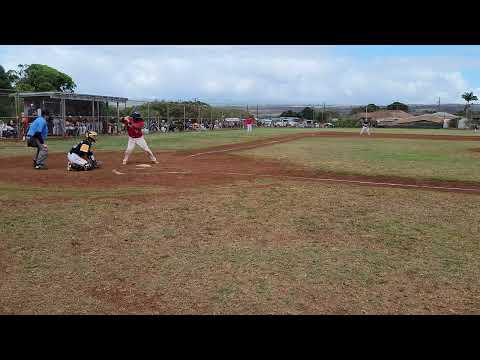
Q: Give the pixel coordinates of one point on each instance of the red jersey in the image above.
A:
(249, 121)
(134, 128)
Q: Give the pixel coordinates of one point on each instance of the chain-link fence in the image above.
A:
(159, 116)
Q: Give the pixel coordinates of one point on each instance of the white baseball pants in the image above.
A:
(75, 159)
(142, 144)
(249, 127)
(365, 129)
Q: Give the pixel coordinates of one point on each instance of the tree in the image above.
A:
(7, 107)
(468, 97)
(397, 106)
(306, 113)
(361, 109)
(37, 77)
(289, 113)
(5, 82)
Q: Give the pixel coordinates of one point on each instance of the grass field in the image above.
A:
(263, 246)
(427, 159)
(198, 140)
(281, 247)
(169, 141)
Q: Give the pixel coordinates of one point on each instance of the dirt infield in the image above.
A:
(215, 165)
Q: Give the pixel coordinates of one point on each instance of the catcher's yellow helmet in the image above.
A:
(91, 135)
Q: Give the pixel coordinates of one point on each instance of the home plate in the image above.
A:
(143, 165)
(115, 171)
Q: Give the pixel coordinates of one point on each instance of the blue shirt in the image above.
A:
(38, 125)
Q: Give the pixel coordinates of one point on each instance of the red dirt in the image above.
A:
(209, 166)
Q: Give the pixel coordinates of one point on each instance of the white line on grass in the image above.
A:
(431, 187)
(377, 183)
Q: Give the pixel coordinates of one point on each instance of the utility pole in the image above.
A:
(183, 116)
(323, 112)
(257, 111)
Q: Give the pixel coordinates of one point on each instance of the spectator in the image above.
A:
(24, 127)
(49, 125)
(56, 126)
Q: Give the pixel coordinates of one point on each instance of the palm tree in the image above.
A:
(468, 97)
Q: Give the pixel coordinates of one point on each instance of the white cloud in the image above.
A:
(254, 74)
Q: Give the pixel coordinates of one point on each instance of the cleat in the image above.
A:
(124, 162)
(69, 167)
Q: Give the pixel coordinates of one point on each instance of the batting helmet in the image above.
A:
(92, 135)
(136, 115)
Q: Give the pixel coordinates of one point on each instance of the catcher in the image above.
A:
(80, 157)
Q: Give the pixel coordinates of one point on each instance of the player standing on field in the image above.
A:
(365, 127)
(135, 124)
(249, 123)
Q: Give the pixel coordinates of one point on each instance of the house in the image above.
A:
(382, 117)
(463, 123)
(429, 121)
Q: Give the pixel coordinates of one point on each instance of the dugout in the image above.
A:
(65, 108)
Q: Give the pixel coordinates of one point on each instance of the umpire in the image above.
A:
(36, 136)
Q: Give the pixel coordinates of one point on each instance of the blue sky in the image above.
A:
(264, 74)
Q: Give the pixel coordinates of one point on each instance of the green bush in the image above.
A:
(346, 123)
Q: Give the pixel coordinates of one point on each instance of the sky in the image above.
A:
(335, 75)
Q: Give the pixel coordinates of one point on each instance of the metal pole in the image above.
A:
(64, 114)
(183, 116)
(99, 129)
(118, 117)
(16, 115)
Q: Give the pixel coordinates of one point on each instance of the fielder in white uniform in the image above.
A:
(365, 127)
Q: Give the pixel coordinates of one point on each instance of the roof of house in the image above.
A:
(446, 115)
(70, 96)
(382, 114)
(425, 117)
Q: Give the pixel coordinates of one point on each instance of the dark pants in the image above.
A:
(42, 152)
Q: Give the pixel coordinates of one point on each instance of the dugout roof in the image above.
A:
(71, 96)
